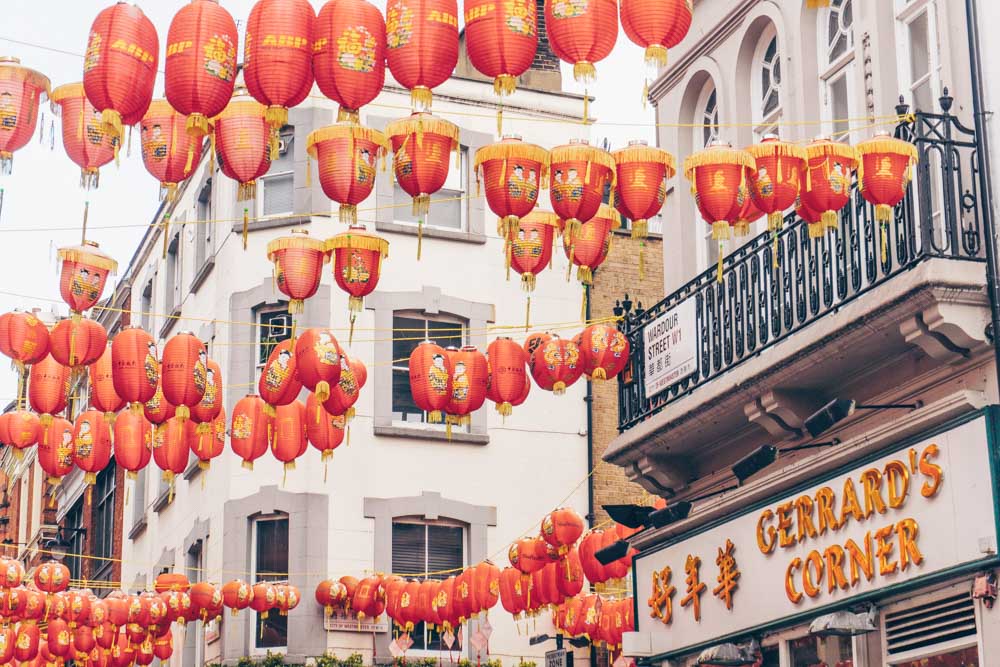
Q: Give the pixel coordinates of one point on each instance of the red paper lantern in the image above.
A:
(570, 581)
(52, 577)
(200, 67)
(514, 591)
(77, 342)
(252, 430)
(264, 598)
(535, 340)
(749, 214)
(184, 372)
(421, 146)
(513, 171)
(349, 54)
(171, 448)
(656, 25)
(277, 56)
(470, 378)
(83, 275)
(92, 444)
(103, 397)
(163, 647)
(298, 266)
(347, 154)
(168, 153)
(345, 393)
(279, 384)
(207, 598)
(135, 366)
(431, 380)
(369, 598)
(530, 249)
(486, 584)
(885, 170)
(60, 639)
(23, 337)
(157, 409)
(829, 168)
(501, 40)
(642, 174)
(7, 644)
(582, 33)
(357, 264)
(462, 601)
(324, 431)
(777, 178)
(318, 361)
(605, 351)
(289, 433)
(422, 45)
(589, 247)
(578, 176)
(26, 642)
(507, 373)
(48, 388)
(562, 528)
(23, 430)
(86, 140)
(330, 594)
(133, 442)
(592, 568)
(210, 445)
(20, 95)
(530, 554)
(243, 144)
(288, 598)
(236, 595)
(556, 365)
(55, 449)
(208, 409)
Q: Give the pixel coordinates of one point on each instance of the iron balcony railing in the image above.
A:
(757, 305)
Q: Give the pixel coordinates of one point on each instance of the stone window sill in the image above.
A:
(199, 278)
(431, 434)
(273, 223)
(653, 236)
(192, 470)
(138, 528)
(171, 322)
(431, 232)
(163, 500)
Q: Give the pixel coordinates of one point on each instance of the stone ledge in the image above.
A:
(274, 223)
(138, 528)
(203, 272)
(431, 232)
(427, 434)
(171, 322)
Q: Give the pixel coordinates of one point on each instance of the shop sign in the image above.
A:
(670, 346)
(340, 621)
(918, 511)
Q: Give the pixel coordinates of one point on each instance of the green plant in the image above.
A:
(327, 660)
(526, 663)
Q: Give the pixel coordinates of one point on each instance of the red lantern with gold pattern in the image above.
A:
(318, 361)
(470, 378)
(103, 396)
(777, 178)
(298, 266)
(422, 45)
(207, 410)
(86, 140)
(571, 579)
(885, 170)
(513, 591)
(288, 598)
(349, 54)
(200, 66)
(578, 176)
(346, 392)
(830, 167)
(422, 146)
(589, 247)
(184, 372)
(486, 585)
(556, 365)
(243, 144)
(60, 639)
(133, 442)
(157, 409)
(168, 152)
(20, 96)
(749, 214)
(26, 642)
(535, 340)
(604, 350)
(530, 247)
(357, 264)
(656, 25)
(582, 33)
(264, 598)
(92, 444)
(23, 337)
(513, 172)
(431, 380)
(324, 431)
(210, 444)
(501, 40)
(592, 568)
(48, 388)
(236, 595)
(252, 430)
(207, 598)
(279, 384)
(331, 595)
(77, 342)
(289, 433)
(52, 577)
(562, 528)
(277, 56)
(119, 68)
(83, 275)
(135, 366)
(507, 373)
(347, 154)
(23, 429)
(369, 598)
(163, 647)
(642, 173)
(171, 447)
(55, 449)
(529, 554)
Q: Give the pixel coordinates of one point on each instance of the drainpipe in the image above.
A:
(589, 399)
(985, 175)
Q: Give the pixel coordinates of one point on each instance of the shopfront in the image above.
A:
(890, 545)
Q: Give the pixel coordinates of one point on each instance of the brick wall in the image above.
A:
(545, 59)
(618, 275)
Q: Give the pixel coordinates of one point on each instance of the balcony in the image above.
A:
(794, 322)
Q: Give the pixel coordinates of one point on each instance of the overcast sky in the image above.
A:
(43, 190)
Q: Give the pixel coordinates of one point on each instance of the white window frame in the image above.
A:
(936, 649)
(271, 174)
(832, 70)
(254, 649)
(462, 173)
(765, 123)
(258, 336)
(707, 247)
(906, 13)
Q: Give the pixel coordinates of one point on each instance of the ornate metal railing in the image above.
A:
(761, 302)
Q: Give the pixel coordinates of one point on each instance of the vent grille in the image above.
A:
(941, 621)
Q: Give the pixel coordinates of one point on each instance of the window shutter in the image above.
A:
(408, 548)
(945, 620)
(444, 550)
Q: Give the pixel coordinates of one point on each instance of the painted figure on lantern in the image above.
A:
(356, 271)
(565, 9)
(838, 182)
(218, 52)
(438, 375)
(93, 55)
(764, 185)
(151, 366)
(366, 166)
(460, 383)
(210, 389)
(84, 441)
(348, 383)
(159, 437)
(518, 14)
(201, 371)
(8, 111)
(398, 26)
(278, 372)
(242, 426)
(64, 450)
(326, 349)
(356, 49)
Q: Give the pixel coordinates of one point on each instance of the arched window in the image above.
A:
(839, 29)
(766, 82)
(708, 116)
(837, 66)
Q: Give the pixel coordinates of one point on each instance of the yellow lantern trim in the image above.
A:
(89, 254)
(346, 131)
(511, 149)
(359, 239)
(421, 122)
(715, 155)
(646, 154)
(11, 69)
(299, 242)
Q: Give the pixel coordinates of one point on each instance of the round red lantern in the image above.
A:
(119, 69)
(135, 366)
(604, 350)
(277, 56)
(279, 384)
(777, 178)
(92, 444)
(578, 176)
(318, 361)
(470, 377)
(184, 372)
(331, 594)
(288, 598)
(345, 393)
(830, 166)
(535, 340)
(422, 45)
(23, 430)
(582, 33)
(642, 173)
(885, 169)
(656, 25)
(252, 430)
(77, 342)
(347, 154)
(298, 266)
(103, 396)
(200, 67)
(207, 410)
(589, 247)
(421, 146)
(289, 433)
(157, 409)
(207, 598)
(48, 388)
(570, 582)
(242, 144)
(592, 568)
(133, 442)
(562, 528)
(349, 54)
(556, 365)
(171, 448)
(168, 153)
(529, 249)
(52, 577)
(264, 598)
(26, 642)
(236, 595)
(431, 380)
(163, 647)
(530, 554)
(83, 275)
(357, 264)
(507, 373)
(20, 96)
(368, 600)
(60, 639)
(86, 140)
(23, 337)
(324, 431)
(55, 449)
(501, 40)
(513, 591)
(513, 172)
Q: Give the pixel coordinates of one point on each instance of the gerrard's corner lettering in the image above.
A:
(884, 549)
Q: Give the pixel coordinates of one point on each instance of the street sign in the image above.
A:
(558, 658)
(670, 346)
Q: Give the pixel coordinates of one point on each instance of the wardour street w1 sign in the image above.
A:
(670, 348)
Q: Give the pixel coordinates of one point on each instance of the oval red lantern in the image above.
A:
(48, 388)
(501, 40)
(470, 378)
(213, 443)
(52, 577)
(421, 146)
(86, 141)
(277, 56)
(318, 361)
(157, 409)
(135, 366)
(656, 25)
(92, 444)
(777, 178)
(7, 644)
(133, 442)
(103, 396)
(369, 598)
(514, 591)
(23, 430)
(486, 584)
(184, 372)
(207, 598)
(298, 266)
(431, 380)
(463, 602)
(357, 264)
(289, 441)
(21, 91)
(236, 595)
(562, 528)
(421, 45)
(243, 144)
(172, 447)
(582, 33)
(578, 177)
(264, 598)
(208, 409)
(60, 639)
(279, 383)
(556, 365)
(346, 392)
(507, 362)
(530, 554)
(642, 173)
(885, 169)
(119, 69)
(588, 248)
(830, 167)
(55, 449)
(77, 342)
(347, 154)
(324, 431)
(605, 351)
(570, 580)
(23, 337)
(200, 66)
(83, 275)
(591, 543)
(163, 647)
(251, 430)
(168, 153)
(513, 172)
(26, 642)
(529, 250)
(349, 54)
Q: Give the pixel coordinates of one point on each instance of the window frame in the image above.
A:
(463, 172)
(835, 68)
(139, 486)
(279, 309)
(766, 122)
(76, 539)
(708, 248)
(287, 130)
(256, 650)
(906, 13)
(103, 507)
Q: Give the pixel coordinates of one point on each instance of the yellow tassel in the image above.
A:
(507, 258)
(586, 108)
(645, 92)
(527, 315)
(718, 268)
(308, 171)
(642, 260)
(830, 220)
(500, 121)
(584, 72)
(166, 228)
(816, 230)
(421, 97)
(720, 231)
(420, 237)
(656, 55)
(246, 226)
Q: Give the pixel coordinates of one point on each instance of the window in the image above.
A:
(447, 214)
(409, 330)
(427, 547)
(146, 305)
(270, 563)
(276, 190)
(194, 633)
(102, 544)
(173, 287)
(919, 62)
(139, 497)
(204, 246)
(74, 534)
(838, 83)
(811, 651)
(766, 83)
(709, 116)
(275, 326)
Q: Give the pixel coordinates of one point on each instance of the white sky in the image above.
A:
(43, 190)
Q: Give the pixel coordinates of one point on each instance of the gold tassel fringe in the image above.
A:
(656, 55)
(584, 72)
(505, 84)
(720, 230)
